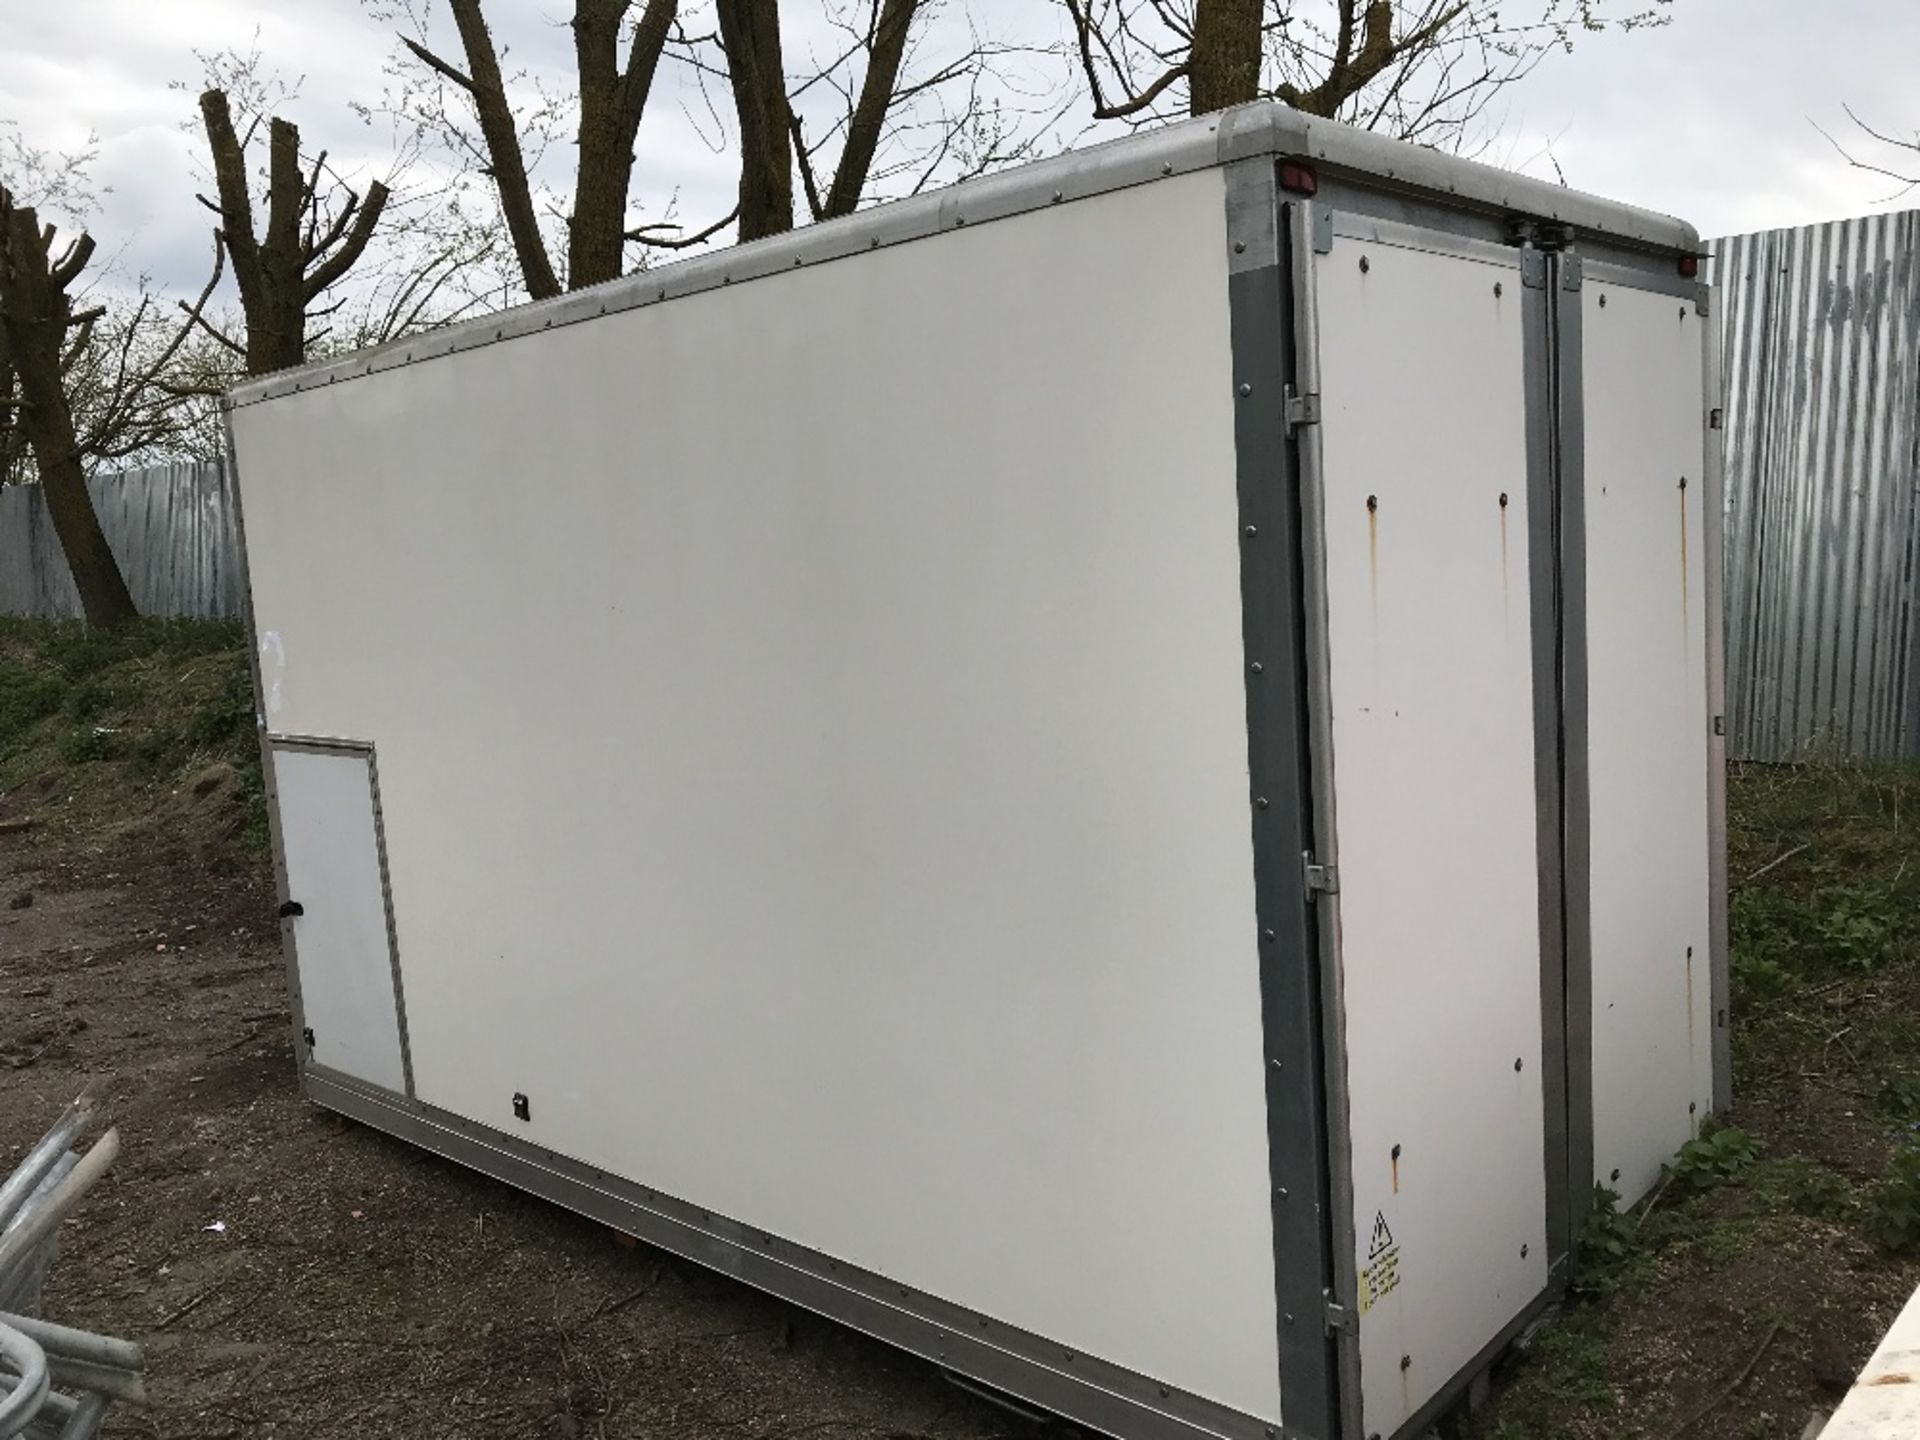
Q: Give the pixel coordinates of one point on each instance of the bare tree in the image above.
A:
(612, 98)
(317, 229)
(916, 94)
(70, 393)
(1418, 69)
(884, 115)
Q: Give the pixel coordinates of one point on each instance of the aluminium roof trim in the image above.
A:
(1266, 128)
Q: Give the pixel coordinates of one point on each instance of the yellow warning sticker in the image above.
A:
(1380, 1276)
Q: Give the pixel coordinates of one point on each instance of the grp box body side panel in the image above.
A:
(1423, 402)
(813, 757)
(1648, 727)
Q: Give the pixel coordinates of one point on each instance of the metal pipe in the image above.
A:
(87, 1417)
(65, 1341)
(105, 1379)
(29, 1362)
(19, 1291)
(45, 1154)
(45, 1217)
(54, 1410)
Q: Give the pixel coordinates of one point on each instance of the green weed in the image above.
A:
(1893, 1206)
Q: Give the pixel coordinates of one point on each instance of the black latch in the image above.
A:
(306, 1038)
(521, 1110)
(1540, 234)
(291, 909)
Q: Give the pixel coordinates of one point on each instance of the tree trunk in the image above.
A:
(502, 139)
(1223, 67)
(271, 298)
(33, 318)
(282, 272)
(277, 323)
(612, 101)
(750, 34)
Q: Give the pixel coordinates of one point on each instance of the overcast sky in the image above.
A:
(1711, 118)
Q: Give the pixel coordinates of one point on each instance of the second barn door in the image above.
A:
(1430, 355)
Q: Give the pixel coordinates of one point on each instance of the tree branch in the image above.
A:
(70, 264)
(313, 249)
(434, 62)
(213, 330)
(805, 158)
(342, 260)
(236, 202)
(891, 29)
(683, 242)
(1103, 110)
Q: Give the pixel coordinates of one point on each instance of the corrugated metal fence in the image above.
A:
(1820, 328)
(169, 525)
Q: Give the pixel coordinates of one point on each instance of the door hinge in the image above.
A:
(1341, 1320)
(1533, 268)
(1716, 418)
(1301, 409)
(1720, 725)
(1322, 230)
(1321, 879)
(306, 1038)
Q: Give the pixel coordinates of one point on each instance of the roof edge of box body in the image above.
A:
(1263, 128)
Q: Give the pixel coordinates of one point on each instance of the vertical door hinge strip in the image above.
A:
(1321, 879)
(1301, 410)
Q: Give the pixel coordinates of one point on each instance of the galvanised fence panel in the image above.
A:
(1819, 329)
(170, 527)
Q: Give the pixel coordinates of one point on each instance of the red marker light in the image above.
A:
(1297, 178)
(1689, 266)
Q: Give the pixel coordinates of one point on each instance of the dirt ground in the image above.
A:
(358, 1286)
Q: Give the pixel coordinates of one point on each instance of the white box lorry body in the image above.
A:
(1109, 775)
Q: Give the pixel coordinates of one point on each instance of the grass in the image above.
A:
(105, 726)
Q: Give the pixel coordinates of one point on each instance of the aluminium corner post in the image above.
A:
(1294, 280)
(1713, 504)
(276, 837)
(1259, 305)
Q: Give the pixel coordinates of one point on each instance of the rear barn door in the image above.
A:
(1424, 435)
(1642, 388)
(347, 981)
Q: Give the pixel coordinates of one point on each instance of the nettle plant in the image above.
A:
(1717, 1156)
(1893, 1208)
